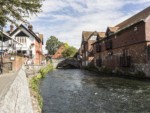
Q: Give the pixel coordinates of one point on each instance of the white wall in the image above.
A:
(29, 41)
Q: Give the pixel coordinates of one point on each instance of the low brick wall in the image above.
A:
(17, 99)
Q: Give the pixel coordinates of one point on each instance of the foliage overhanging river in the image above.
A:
(80, 91)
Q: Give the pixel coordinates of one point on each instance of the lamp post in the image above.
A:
(1, 49)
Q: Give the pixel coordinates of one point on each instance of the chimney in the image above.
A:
(11, 28)
(30, 27)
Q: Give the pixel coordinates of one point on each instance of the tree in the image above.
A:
(52, 45)
(70, 51)
(17, 10)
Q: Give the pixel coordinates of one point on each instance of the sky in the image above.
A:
(66, 19)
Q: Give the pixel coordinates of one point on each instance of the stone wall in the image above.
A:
(17, 99)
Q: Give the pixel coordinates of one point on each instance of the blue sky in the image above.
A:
(66, 19)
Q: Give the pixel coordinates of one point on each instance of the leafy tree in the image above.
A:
(70, 51)
(52, 45)
(17, 10)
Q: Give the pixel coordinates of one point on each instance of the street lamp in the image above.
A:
(1, 49)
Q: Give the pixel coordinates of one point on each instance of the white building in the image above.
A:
(27, 38)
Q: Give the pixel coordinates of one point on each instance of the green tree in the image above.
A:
(70, 51)
(17, 10)
(52, 44)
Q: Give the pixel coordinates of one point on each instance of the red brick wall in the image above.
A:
(17, 64)
(138, 53)
(130, 40)
(128, 36)
(38, 55)
(58, 54)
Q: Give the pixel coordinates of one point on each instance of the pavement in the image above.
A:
(5, 82)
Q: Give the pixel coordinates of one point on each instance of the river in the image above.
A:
(80, 91)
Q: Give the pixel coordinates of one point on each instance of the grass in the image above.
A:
(34, 83)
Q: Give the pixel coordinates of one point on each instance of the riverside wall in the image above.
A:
(17, 99)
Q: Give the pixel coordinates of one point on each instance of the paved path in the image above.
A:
(5, 82)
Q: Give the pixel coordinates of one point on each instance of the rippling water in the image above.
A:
(80, 91)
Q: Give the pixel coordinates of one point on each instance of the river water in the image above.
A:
(80, 91)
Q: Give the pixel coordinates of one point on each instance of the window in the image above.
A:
(135, 28)
(21, 39)
(125, 61)
(98, 47)
(108, 44)
(25, 39)
(125, 52)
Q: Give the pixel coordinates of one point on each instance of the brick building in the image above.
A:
(86, 49)
(58, 53)
(126, 46)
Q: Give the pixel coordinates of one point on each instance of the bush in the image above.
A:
(34, 83)
(117, 71)
(105, 70)
(139, 74)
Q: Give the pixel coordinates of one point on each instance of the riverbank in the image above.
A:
(117, 73)
(34, 81)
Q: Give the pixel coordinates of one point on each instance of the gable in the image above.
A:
(26, 31)
(21, 33)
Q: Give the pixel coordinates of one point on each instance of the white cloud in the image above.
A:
(66, 19)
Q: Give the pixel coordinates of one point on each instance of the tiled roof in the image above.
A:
(143, 15)
(101, 34)
(113, 29)
(86, 35)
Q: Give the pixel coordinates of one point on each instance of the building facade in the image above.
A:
(58, 53)
(31, 43)
(86, 49)
(126, 46)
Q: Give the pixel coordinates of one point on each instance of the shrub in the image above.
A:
(139, 74)
(34, 83)
(105, 70)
